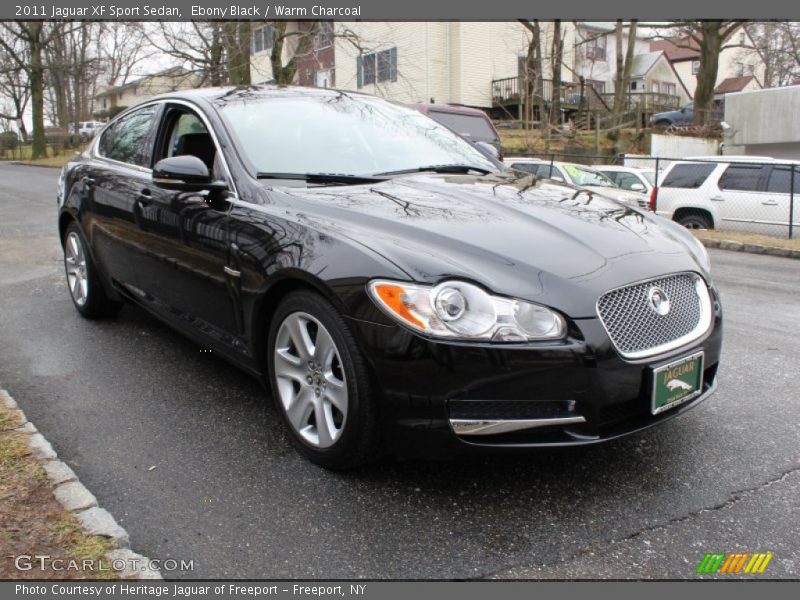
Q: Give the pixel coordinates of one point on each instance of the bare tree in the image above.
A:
(777, 43)
(14, 87)
(622, 75)
(122, 48)
(197, 45)
(709, 39)
(24, 43)
(290, 45)
(557, 60)
(534, 75)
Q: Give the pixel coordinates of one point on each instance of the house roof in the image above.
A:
(676, 50)
(642, 63)
(170, 72)
(733, 84)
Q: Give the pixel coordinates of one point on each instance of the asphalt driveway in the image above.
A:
(119, 397)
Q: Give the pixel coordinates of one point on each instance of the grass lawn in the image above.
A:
(56, 157)
(32, 522)
(751, 238)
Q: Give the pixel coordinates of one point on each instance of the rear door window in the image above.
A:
(128, 139)
(688, 175)
(780, 180)
(742, 178)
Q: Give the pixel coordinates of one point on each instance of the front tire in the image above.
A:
(321, 383)
(83, 281)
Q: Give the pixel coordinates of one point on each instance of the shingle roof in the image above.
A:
(733, 84)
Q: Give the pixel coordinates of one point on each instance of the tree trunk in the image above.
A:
(557, 59)
(237, 49)
(709, 66)
(624, 67)
(39, 147)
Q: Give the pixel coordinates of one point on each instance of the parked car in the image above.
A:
(87, 129)
(390, 288)
(470, 123)
(680, 118)
(630, 178)
(741, 193)
(579, 175)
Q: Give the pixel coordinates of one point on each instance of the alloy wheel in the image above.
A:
(75, 262)
(310, 379)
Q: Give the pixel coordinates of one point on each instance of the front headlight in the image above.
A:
(461, 310)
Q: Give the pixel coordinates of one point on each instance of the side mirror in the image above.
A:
(638, 187)
(185, 174)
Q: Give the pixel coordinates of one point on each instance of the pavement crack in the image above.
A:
(733, 498)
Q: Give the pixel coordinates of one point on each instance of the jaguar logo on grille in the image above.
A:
(658, 300)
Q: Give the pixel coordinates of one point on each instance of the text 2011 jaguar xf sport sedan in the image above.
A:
(392, 288)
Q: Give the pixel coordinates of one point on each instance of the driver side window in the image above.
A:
(186, 134)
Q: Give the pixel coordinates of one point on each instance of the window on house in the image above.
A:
(324, 37)
(742, 38)
(597, 86)
(377, 67)
(596, 48)
(262, 39)
(695, 67)
(740, 69)
(656, 86)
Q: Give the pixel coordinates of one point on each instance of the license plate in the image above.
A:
(677, 382)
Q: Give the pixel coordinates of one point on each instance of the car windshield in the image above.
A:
(341, 134)
(584, 176)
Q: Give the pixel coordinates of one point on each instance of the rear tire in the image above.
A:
(83, 281)
(694, 221)
(321, 383)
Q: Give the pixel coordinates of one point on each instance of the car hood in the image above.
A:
(519, 236)
(633, 198)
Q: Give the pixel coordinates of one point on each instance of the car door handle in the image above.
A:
(717, 199)
(770, 203)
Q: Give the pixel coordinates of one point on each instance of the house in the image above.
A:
(168, 80)
(444, 62)
(654, 84)
(739, 59)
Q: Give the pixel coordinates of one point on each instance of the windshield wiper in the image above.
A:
(439, 169)
(322, 177)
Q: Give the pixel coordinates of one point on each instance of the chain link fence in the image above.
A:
(745, 194)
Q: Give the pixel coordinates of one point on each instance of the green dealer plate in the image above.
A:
(677, 382)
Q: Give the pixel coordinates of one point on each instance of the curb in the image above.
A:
(76, 499)
(749, 248)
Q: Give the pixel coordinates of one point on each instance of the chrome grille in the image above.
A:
(637, 330)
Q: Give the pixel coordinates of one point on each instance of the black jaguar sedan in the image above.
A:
(392, 289)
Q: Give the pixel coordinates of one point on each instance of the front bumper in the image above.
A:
(444, 399)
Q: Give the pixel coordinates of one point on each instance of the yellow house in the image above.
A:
(168, 80)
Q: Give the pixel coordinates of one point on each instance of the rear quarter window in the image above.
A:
(742, 178)
(686, 175)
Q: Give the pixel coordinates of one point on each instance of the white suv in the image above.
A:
(745, 193)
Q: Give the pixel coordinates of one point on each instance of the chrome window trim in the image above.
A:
(199, 112)
(703, 324)
(498, 426)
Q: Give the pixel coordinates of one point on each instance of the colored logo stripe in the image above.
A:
(734, 562)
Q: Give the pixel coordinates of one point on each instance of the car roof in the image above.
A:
(261, 90)
(731, 158)
(621, 168)
(455, 109)
(524, 159)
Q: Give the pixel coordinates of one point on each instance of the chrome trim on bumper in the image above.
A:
(496, 426)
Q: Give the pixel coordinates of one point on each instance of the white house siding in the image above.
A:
(422, 60)
(603, 70)
(662, 72)
(260, 65)
(448, 62)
